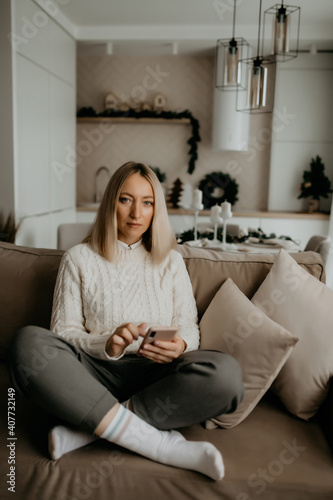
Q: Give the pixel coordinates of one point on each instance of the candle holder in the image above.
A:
(224, 245)
(216, 220)
(196, 210)
(226, 214)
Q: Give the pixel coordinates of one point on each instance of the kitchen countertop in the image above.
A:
(92, 207)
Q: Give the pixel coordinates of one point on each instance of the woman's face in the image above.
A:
(135, 208)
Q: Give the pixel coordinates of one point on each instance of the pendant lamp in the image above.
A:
(282, 22)
(260, 72)
(228, 53)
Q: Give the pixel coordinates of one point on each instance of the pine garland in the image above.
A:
(168, 115)
(188, 235)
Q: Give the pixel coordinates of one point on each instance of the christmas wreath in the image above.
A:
(168, 115)
(218, 181)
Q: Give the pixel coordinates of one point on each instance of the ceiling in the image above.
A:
(149, 27)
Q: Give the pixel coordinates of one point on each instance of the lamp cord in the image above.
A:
(259, 26)
(233, 22)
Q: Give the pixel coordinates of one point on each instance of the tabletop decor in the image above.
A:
(216, 219)
(196, 206)
(175, 193)
(226, 214)
(253, 235)
(150, 113)
(218, 181)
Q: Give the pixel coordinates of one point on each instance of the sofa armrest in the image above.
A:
(326, 415)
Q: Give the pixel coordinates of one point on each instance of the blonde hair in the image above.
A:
(159, 238)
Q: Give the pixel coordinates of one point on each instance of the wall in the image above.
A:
(187, 82)
(303, 91)
(42, 60)
(6, 106)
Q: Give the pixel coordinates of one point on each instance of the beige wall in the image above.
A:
(187, 83)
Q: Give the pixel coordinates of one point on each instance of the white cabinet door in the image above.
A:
(62, 54)
(31, 32)
(32, 133)
(62, 144)
(302, 127)
(303, 98)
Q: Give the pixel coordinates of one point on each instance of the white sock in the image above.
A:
(168, 447)
(64, 439)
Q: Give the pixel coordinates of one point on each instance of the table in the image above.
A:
(248, 247)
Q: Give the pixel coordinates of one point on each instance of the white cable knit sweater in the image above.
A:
(94, 296)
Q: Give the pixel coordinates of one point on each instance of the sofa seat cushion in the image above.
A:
(303, 305)
(270, 452)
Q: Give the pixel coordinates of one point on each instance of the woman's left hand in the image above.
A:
(162, 351)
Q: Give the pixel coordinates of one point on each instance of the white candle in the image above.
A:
(215, 211)
(197, 199)
(226, 210)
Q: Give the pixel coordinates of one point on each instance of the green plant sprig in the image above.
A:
(315, 183)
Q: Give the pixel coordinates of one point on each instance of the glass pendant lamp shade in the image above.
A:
(260, 72)
(281, 31)
(228, 53)
(228, 75)
(259, 95)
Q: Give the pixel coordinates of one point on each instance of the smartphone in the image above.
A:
(159, 333)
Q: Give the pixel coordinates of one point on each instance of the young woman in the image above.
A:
(125, 277)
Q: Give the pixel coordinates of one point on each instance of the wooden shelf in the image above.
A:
(120, 119)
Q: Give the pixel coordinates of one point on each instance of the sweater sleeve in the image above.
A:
(185, 315)
(67, 318)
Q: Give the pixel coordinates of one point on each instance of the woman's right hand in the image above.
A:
(123, 336)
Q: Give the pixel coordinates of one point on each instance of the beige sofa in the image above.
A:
(254, 451)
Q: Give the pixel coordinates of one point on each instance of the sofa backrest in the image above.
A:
(27, 279)
(28, 275)
(208, 269)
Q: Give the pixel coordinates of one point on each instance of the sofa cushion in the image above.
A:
(27, 278)
(232, 324)
(303, 305)
(208, 269)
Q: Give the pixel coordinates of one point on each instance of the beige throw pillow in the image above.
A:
(303, 305)
(232, 324)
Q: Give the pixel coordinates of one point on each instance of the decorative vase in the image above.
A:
(313, 205)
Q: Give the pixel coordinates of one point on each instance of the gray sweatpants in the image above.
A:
(80, 389)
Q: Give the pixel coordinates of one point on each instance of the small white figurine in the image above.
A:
(159, 103)
(111, 101)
